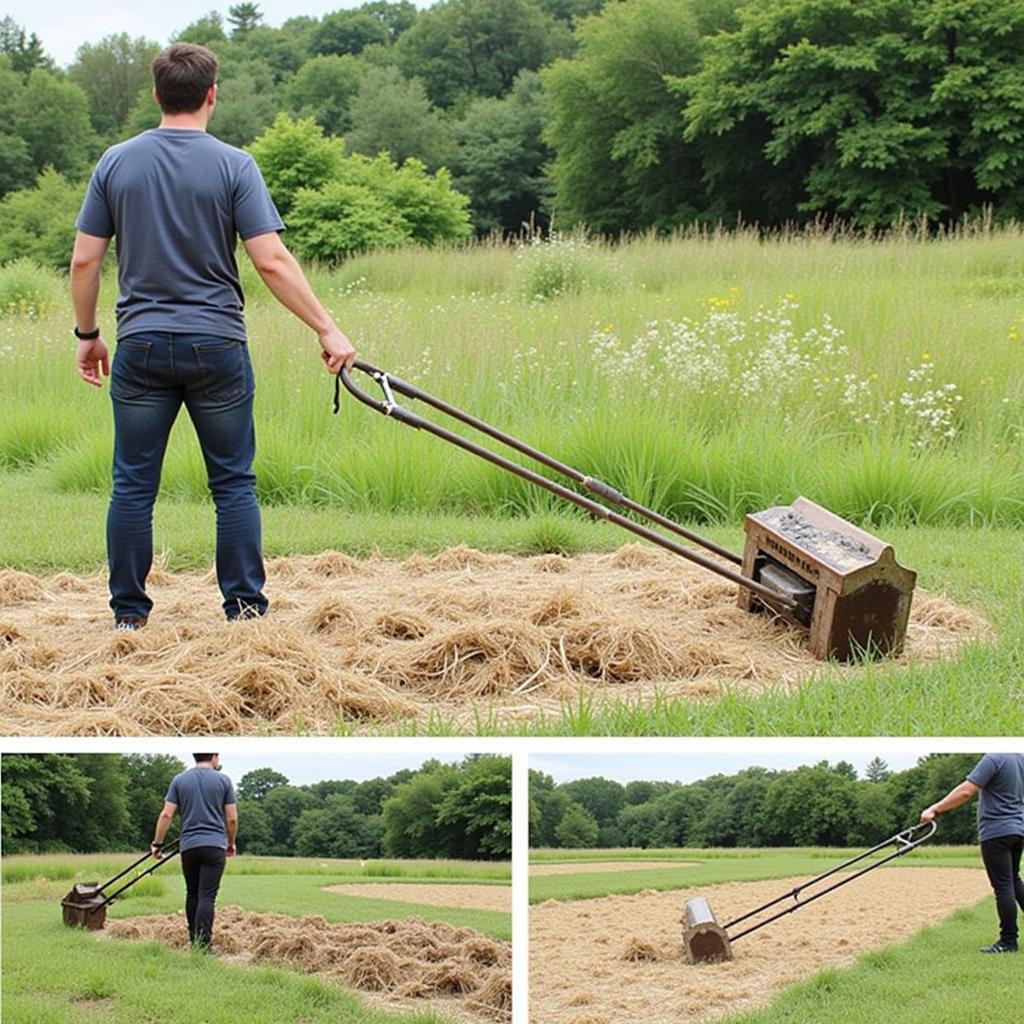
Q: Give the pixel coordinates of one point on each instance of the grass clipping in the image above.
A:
(406, 960)
(387, 641)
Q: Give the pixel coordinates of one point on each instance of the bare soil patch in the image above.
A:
(468, 896)
(383, 640)
(409, 963)
(619, 959)
(593, 867)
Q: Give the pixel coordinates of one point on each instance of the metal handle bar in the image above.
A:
(389, 407)
(903, 841)
(176, 844)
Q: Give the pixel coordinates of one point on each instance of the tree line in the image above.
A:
(814, 805)
(621, 115)
(85, 803)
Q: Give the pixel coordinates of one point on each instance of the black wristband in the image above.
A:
(86, 335)
(159, 846)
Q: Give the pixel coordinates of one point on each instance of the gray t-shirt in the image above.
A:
(177, 201)
(1001, 800)
(201, 794)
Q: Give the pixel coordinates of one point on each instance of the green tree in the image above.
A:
(48, 101)
(370, 795)
(410, 816)
(243, 18)
(621, 162)
(466, 48)
(348, 32)
(397, 17)
(283, 805)
(104, 822)
(294, 155)
(577, 829)
(603, 798)
(205, 31)
(255, 829)
(339, 219)
(255, 785)
(39, 223)
(392, 114)
(479, 808)
(323, 88)
(877, 770)
(44, 789)
(247, 104)
(637, 822)
(148, 775)
(336, 830)
(24, 53)
(870, 110)
(500, 157)
(111, 73)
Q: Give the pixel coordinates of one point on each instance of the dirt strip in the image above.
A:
(385, 641)
(619, 959)
(594, 867)
(467, 896)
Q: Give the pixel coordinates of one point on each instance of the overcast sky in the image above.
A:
(63, 25)
(305, 768)
(684, 767)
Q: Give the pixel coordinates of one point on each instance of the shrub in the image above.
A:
(28, 289)
(39, 223)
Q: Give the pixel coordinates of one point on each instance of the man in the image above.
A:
(205, 800)
(177, 199)
(1000, 780)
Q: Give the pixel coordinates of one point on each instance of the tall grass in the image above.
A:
(579, 370)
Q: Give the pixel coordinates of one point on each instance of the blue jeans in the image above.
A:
(151, 377)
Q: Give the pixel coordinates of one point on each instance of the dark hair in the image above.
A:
(204, 757)
(183, 74)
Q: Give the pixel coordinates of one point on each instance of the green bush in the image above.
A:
(339, 219)
(28, 289)
(39, 223)
(561, 265)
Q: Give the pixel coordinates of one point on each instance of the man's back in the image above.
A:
(201, 794)
(177, 200)
(1001, 802)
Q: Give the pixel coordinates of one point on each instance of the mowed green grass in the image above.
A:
(700, 867)
(134, 983)
(460, 324)
(937, 976)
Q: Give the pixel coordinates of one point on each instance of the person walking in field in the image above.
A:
(999, 778)
(177, 199)
(205, 799)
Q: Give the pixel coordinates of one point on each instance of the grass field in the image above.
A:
(934, 975)
(705, 867)
(102, 982)
(705, 376)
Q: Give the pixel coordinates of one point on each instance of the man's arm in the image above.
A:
(284, 277)
(86, 264)
(231, 820)
(163, 823)
(953, 799)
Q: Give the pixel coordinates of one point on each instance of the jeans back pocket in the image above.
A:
(129, 375)
(224, 370)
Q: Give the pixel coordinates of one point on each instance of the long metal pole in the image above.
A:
(403, 415)
(142, 874)
(904, 844)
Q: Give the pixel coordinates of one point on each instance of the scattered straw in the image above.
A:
(406, 960)
(385, 641)
(580, 972)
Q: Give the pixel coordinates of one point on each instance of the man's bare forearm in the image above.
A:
(954, 798)
(85, 293)
(288, 284)
(163, 823)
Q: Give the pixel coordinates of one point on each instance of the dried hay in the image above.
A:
(384, 641)
(577, 960)
(410, 959)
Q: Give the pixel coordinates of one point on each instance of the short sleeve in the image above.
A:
(172, 792)
(982, 773)
(229, 793)
(255, 212)
(94, 218)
